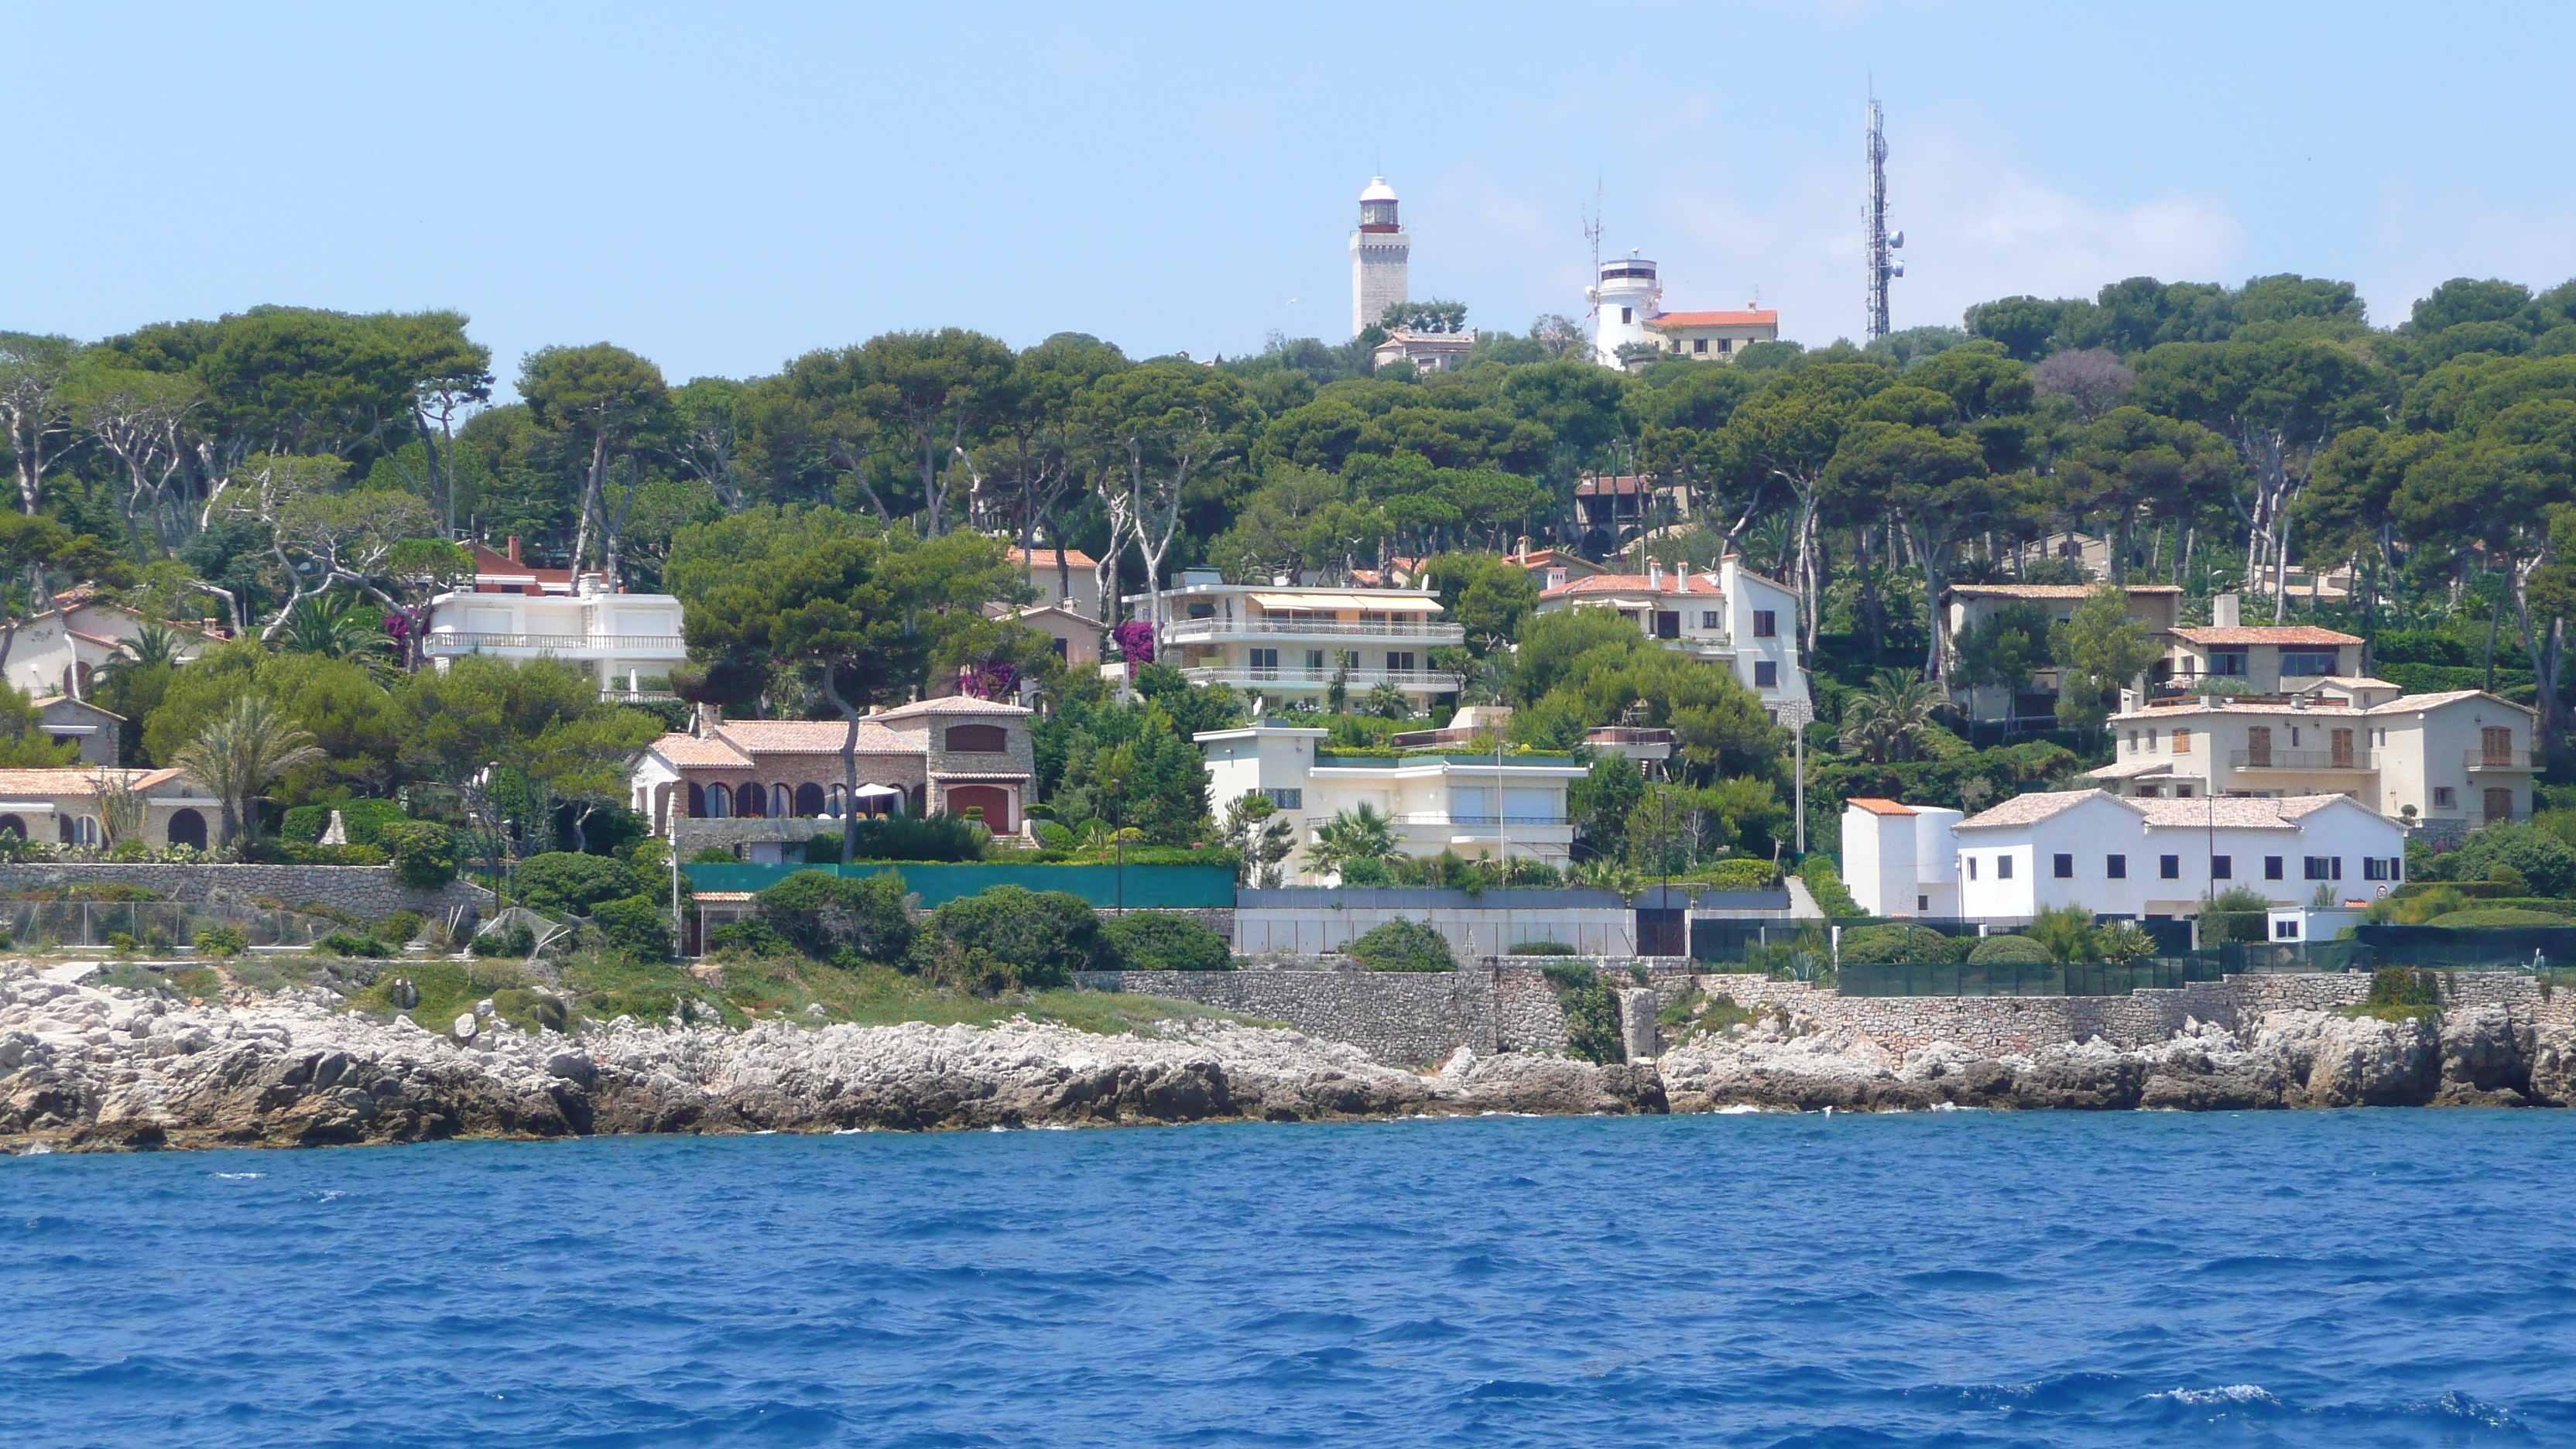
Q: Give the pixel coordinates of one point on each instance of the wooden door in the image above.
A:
(2258, 747)
(2495, 745)
(2342, 744)
(2499, 806)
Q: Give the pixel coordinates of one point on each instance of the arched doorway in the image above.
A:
(187, 827)
(751, 802)
(697, 801)
(719, 801)
(809, 800)
(782, 802)
(13, 825)
(993, 800)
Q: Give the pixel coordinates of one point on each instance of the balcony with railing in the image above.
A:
(445, 642)
(1430, 680)
(2355, 759)
(2483, 759)
(1481, 822)
(1200, 631)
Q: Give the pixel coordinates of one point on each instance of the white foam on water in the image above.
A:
(2230, 1394)
(1736, 1109)
(241, 1176)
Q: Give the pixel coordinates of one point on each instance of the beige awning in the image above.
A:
(1385, 604)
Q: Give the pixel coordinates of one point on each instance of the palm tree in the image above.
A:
(154, 646)
(1359, 833)
(241, 750)
(336, 631)
(1889, 719)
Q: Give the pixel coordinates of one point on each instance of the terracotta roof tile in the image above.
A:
(950, 704)
(2266, 634)
(684, 750)
(2051, 591)
(2032, 808)
(1702, 586)
(2231, 812)
(810, 737)
(1045, 558)
(1880, 807)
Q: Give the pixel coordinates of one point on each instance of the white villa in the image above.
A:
(1733, 617)
(515, 610)
(55, 652)
(2149, 859)
(2450, 761)
(1288, 643)
(1438, 801)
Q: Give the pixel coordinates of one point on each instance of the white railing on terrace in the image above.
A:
(447, 643)
(1357, 679)
(1183, 630)
(1485, 822)
(2497, 759)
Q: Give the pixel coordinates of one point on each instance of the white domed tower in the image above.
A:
(1625, 295)
(1380, 252)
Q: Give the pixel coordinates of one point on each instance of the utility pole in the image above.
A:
(1881, 241)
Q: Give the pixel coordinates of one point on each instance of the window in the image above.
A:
(1972, 867)
(2324, 867)
(2182, 792)
(2133, 742)
(1699, 344)
(1922, 905)
(2444, 798)
(1766, 623)
(1668, 624)
(2285, 930)
(2222, 867)
(2182, 741)
(2229, 662)
(1059, 646)
(1766, 675)
(1708, 618)
(2065, 867)
(1399, 662)
(2374, 867)
(978, 739)
(1265, 662)
(2151, 739)
(2116, 867)
(2169, 866)
(1287, 798)
(2305, 664)
(2003, 867)
(1314, 661)
(1627, 314)
(2271, 867)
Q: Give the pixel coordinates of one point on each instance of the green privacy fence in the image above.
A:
(1159, 887)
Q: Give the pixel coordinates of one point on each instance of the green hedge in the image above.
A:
(1879, 945)
(364, 820)
(2007, 950)
(1162, 941)
(1403, 945)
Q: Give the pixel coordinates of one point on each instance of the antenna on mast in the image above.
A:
(1881, 241)
(1592, 234)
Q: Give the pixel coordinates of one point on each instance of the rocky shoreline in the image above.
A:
(91, 1067)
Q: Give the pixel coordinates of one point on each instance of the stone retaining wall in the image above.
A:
(367, 891)
(1408, 1017)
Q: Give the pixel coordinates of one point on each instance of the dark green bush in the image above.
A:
(751, 936)
(902, 837)
(1013, 938)
(2405, 986)
(424, 854)
(222, 940)
(1161, 941)
(346, 943)
(2005, 950)
(563, 882)
(364, 820)
(1542, 948)
(2240, 913)
(1875, 945)
(1404, 945)
(1591, 1010)
(823, 915)
(517, 941)
(398, 928)
(1744, 875)
(713, 855)
(635, 926)
(302, 854)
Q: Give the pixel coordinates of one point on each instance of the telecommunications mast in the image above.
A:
(1881, 241)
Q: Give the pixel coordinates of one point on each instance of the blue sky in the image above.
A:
(722, 187)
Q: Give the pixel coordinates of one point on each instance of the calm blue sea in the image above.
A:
(2346, 1279)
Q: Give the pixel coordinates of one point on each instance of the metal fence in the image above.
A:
(2102, 978)
(155, 925)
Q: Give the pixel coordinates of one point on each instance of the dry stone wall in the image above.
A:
(1406, 1017)
(367, 891)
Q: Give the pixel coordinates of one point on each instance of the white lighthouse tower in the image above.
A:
(1380, 252)
(1625, 295)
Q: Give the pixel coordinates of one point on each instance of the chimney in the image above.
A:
(1681, 578)
(1556, 578)
(2223, 612)
(514, 548)
(1655, 575)
(709, 716)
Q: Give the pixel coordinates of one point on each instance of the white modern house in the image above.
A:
(1473, 804)
(515, 610)
(1733, 617)
(2450, 761)
(1901, 860)
(1289, 643)
(2150, 859)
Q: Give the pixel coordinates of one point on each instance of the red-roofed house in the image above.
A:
(1714, 336)
(1899, 860)
(516, 610)
(1733, 617)
(56, 651)
(935, 756)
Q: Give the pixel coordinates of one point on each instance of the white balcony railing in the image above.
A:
(1182, 631)
(446, 643)
(2497, 759)
(2299, 760)
(1480, 822)
(1432, 680)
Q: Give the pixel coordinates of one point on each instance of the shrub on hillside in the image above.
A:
(1826, 885)
(1591, 1013)
(825, 915)
(635, 926)
(2006, 951)
(399, 928)
(564, 881)
(1878, 945)
(932, 838)
(1011, 938)
(2546, 863)
(1744, 875)
(222, 940)
(424, 853)
(348, 943)
(364, 820)
(1403, 945)
(1162, 941)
